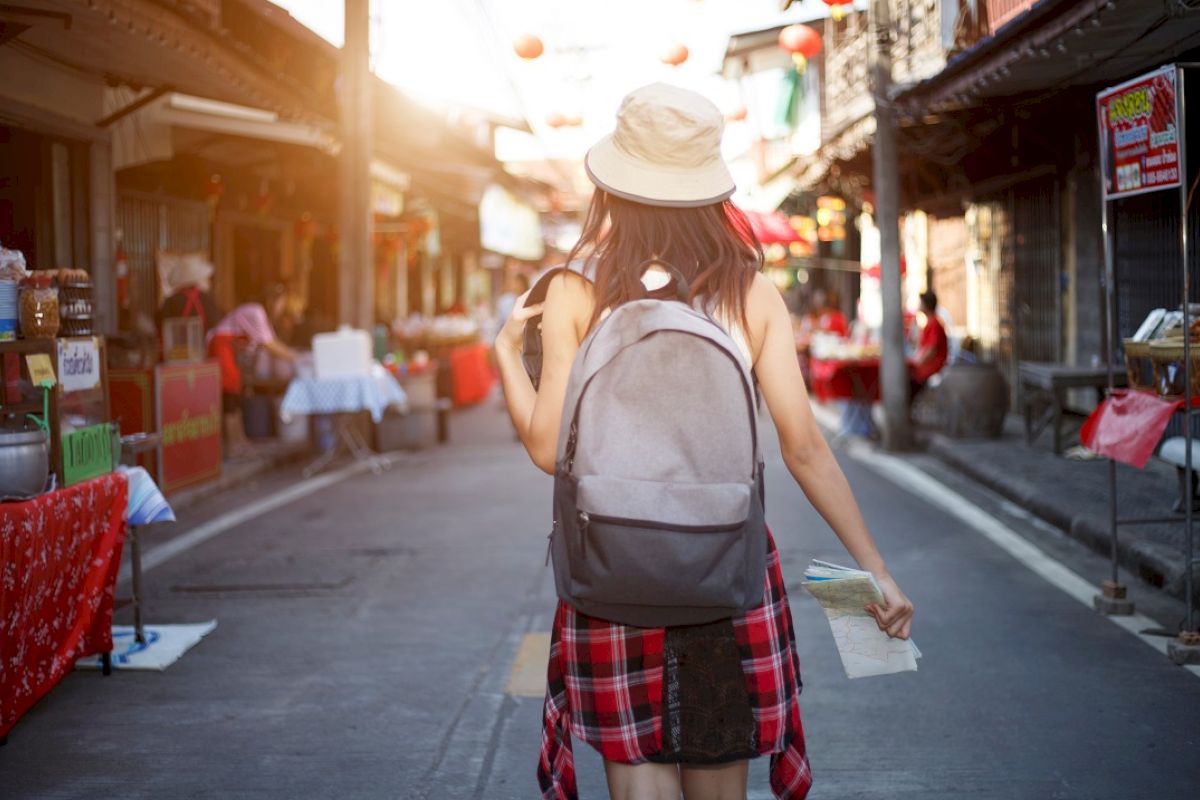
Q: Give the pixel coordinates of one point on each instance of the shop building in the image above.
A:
(1014, 119)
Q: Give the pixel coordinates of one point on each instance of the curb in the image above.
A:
(1160, 566)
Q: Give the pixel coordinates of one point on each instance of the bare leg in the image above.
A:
(642, 781)
(236, 444)
(726, 782)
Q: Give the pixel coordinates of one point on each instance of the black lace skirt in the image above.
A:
(706, 705)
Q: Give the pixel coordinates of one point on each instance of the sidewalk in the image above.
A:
(1073, 495)
(267, 457)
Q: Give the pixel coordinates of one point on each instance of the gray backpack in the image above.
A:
(658, 487)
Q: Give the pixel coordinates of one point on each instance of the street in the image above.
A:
(367, 635)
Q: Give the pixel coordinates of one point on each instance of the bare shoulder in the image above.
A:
(569, 297)
(764, 308)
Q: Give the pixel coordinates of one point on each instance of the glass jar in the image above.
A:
(39, 309)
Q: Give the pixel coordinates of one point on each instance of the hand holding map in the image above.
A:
(844, 594)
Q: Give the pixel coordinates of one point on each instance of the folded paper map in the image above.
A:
(865, 650)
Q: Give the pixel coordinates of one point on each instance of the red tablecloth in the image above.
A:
(471, 373)
(852, 379)
(59, 556)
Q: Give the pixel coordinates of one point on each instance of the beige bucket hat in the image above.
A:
(665, 150)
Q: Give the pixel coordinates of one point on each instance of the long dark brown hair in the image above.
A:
(712, 246)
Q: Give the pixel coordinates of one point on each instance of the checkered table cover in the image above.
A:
(375, 393)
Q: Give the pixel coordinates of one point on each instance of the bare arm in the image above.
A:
(537, 414)
(805, 451)
(279, 350)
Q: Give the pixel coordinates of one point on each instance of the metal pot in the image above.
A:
(24, 462)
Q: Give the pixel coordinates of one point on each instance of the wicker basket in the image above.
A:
(1166, 356)
(1138, 369)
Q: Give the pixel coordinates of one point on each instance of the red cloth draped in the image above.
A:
(472, 374)
(59, 557)
(845, 380)
(1127, 426)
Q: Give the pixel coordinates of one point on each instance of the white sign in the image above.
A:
(509, 225)
(79, 364)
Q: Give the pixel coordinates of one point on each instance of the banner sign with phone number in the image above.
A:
(1139, 135)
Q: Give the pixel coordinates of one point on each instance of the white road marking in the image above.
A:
(1052, 571)
(231, 519)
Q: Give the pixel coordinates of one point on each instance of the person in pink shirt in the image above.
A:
(247, 326)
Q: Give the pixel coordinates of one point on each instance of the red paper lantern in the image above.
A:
(214, 187)
(737, 115)
(556, 120)
(838, 9)
(528, 46)
(802, 42)
(675, 55)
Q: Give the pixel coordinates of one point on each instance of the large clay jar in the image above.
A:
(973, 400)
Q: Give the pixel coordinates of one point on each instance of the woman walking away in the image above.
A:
(672, 651)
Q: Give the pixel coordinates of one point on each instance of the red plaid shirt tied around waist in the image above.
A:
(605, 685)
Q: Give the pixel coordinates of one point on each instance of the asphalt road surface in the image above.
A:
(369, 631)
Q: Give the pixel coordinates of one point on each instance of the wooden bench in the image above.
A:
(1043, 393)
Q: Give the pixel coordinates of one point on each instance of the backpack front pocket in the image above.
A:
(661, 544)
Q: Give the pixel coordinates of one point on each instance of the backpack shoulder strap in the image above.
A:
(584, 268)
(531, 351)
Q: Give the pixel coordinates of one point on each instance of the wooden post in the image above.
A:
(356, 271)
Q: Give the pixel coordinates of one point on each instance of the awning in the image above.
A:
(814, 172)
(772, 228)
(1056, 44)
(140, 43)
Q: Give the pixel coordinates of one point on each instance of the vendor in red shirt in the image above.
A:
(825, 317)
(934, 347)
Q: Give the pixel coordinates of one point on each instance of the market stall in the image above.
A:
(1144, 132)
(455, 343)
(62, 511)
(343, 381)
(170, 388)
(59, 557)
(841, 371)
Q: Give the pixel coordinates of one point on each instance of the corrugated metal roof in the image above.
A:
(1055, 45)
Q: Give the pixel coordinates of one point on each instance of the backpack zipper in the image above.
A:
(585, 519)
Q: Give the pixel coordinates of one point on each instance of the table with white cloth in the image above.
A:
(343, 398)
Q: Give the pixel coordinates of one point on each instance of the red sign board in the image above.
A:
(189, 419)
(1139, 135)
(131, 398)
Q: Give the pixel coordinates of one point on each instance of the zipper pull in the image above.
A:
(584, 520)
(550, 542)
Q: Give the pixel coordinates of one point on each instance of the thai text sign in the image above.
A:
(189, 419)
(79, 364)
(87, 453)
(1139, 135)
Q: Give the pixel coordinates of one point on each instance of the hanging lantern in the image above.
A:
(675, 55)
(737, 115)
(557, 120)
(802, 42)
(838, 9)
(214, 187)
(528, 46)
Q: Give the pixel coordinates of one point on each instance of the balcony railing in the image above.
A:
(918, 52)
(1002, 11)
